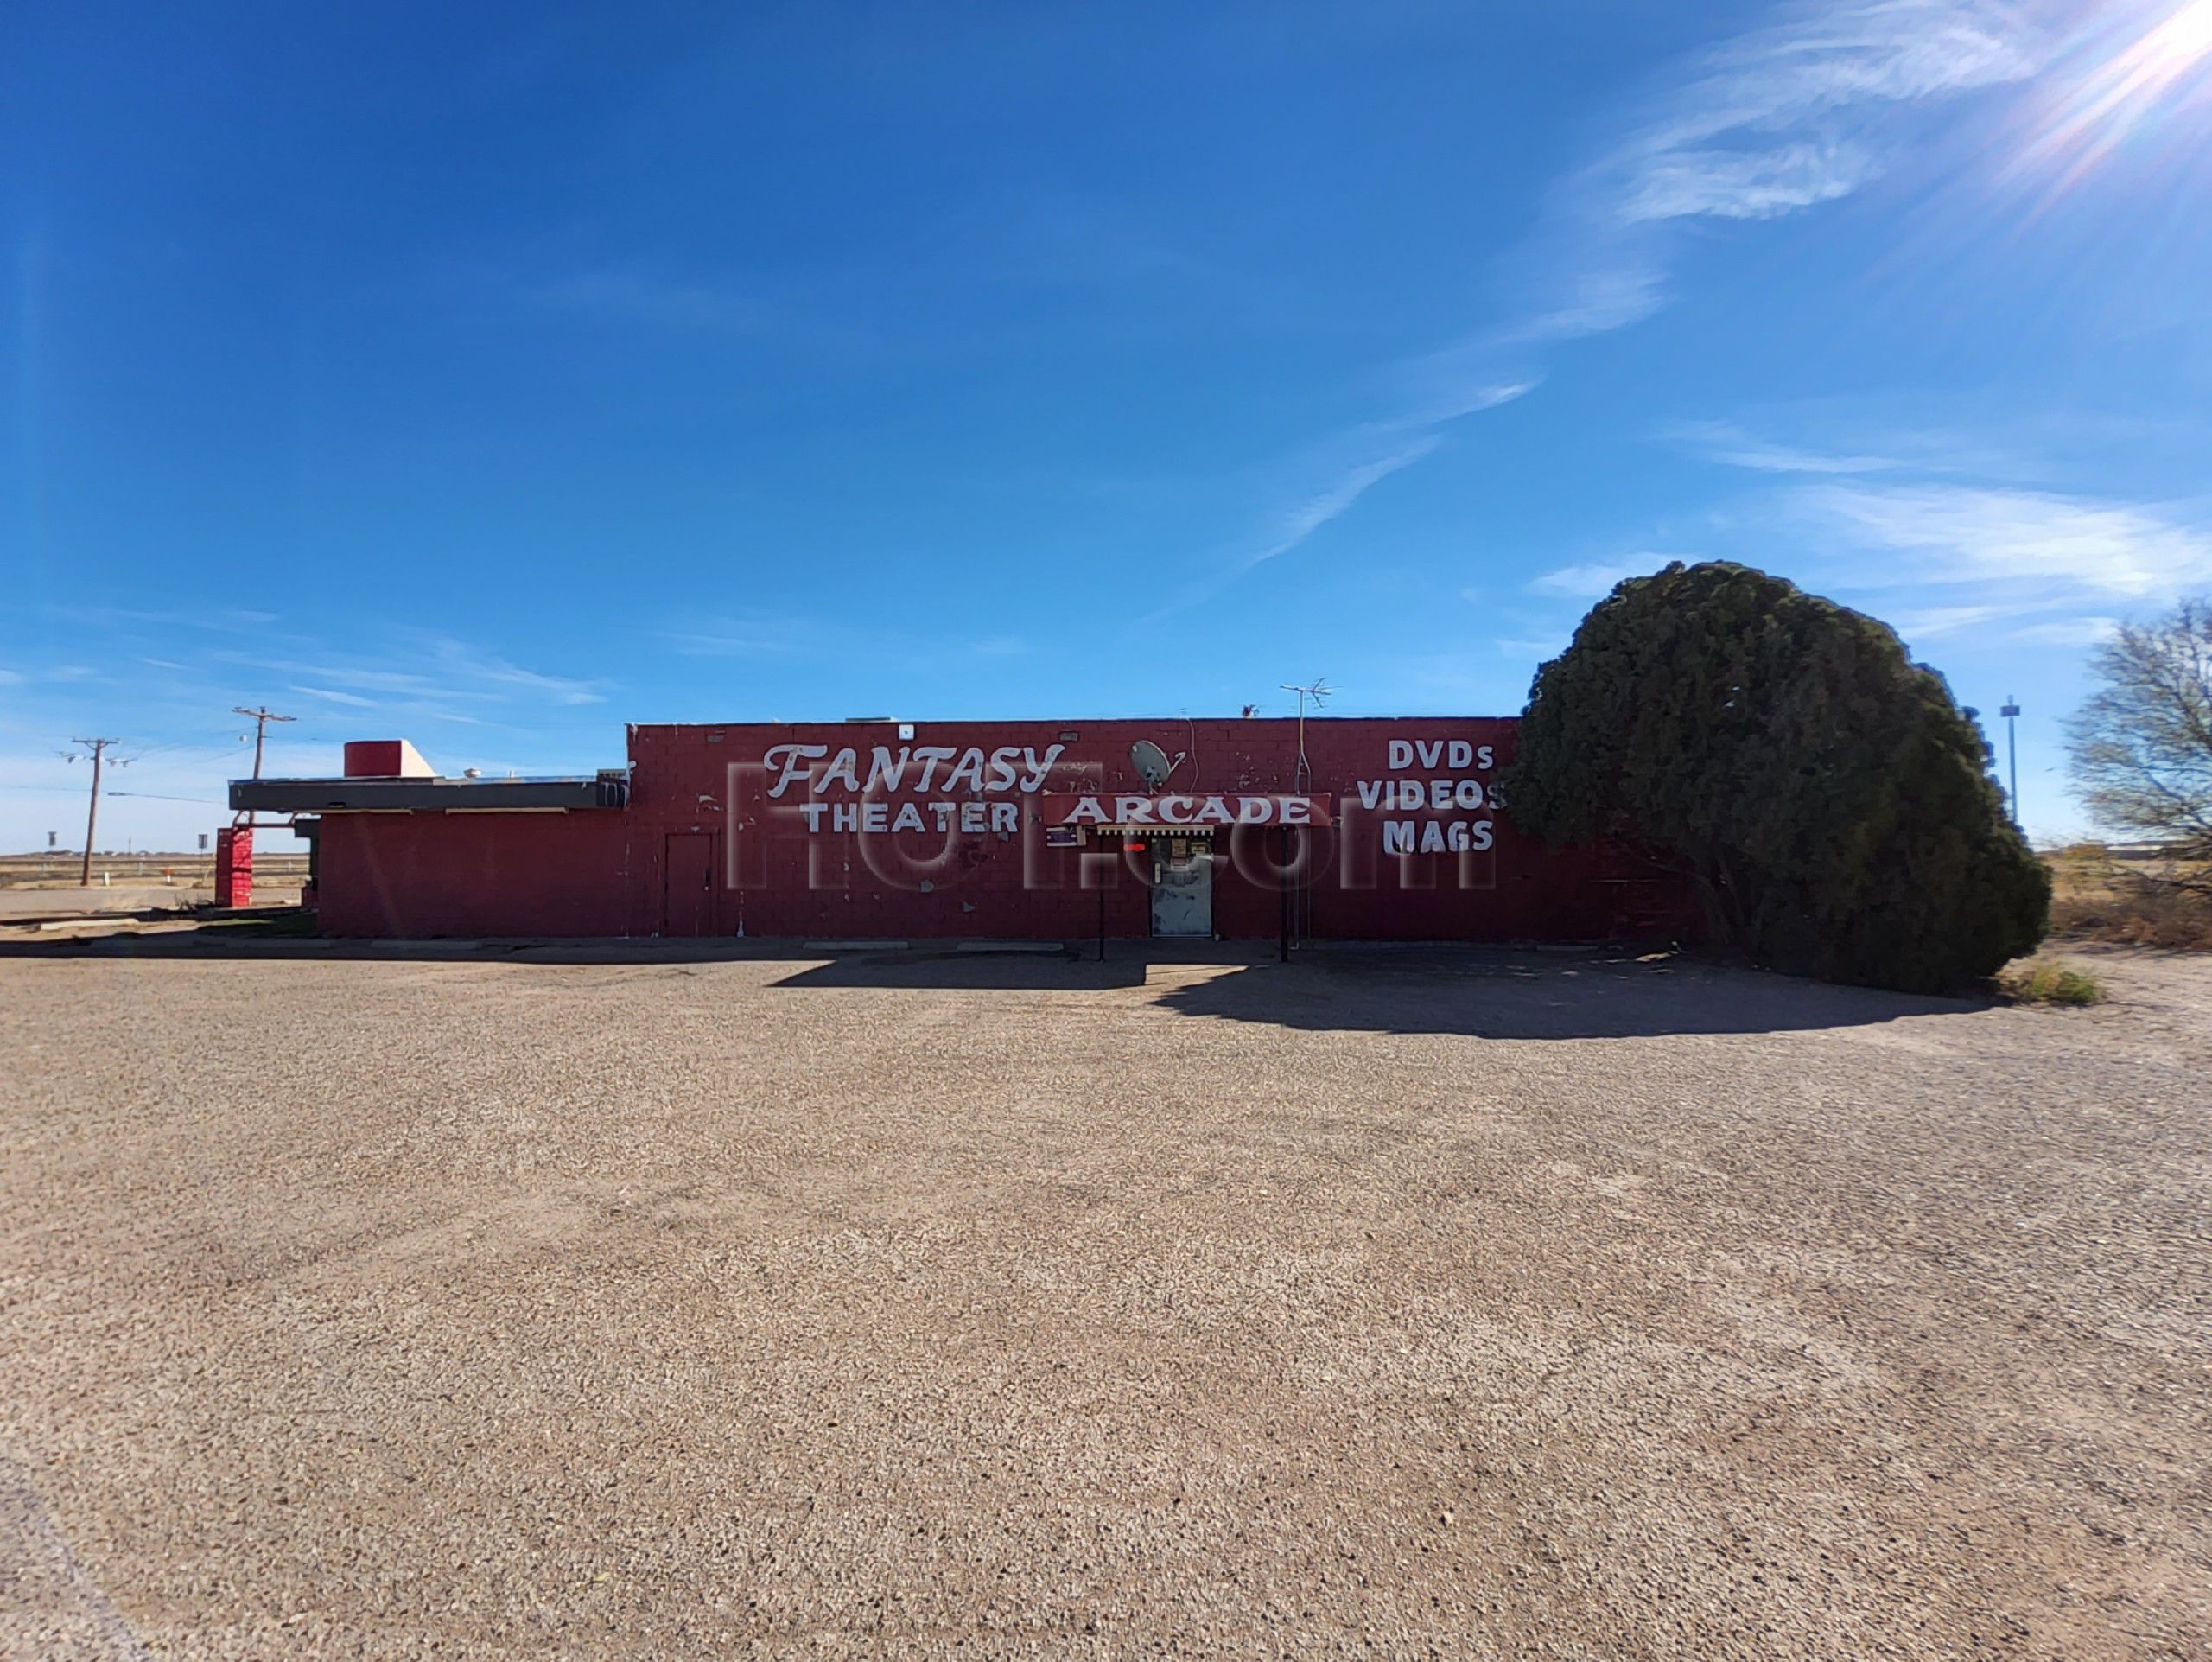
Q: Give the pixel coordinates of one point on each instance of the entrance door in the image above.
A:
(687, 895)
(1182, 887)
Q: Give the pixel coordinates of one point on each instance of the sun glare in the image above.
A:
(2123, 90)
(2182, 38)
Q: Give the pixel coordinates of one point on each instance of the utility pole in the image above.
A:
(98, 750)
(261, 720)
(2011, 712)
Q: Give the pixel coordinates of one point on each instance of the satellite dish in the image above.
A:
(1151, 762)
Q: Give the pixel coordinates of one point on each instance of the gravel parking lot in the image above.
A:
(599, 1303)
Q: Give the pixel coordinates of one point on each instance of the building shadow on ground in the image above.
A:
(923, 965)
(1488, 992)
(1479, 991)
(1499, 993)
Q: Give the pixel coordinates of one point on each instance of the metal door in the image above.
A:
(687, 896)
(1182, 888)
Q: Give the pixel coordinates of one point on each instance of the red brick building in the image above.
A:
(1341, 828)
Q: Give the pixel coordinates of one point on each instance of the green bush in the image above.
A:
(2047, 982)
(1831, 802)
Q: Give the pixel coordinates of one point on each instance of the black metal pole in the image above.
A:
(1283, 895)
(1102, 917)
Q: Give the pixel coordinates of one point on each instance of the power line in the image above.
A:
(177, 750)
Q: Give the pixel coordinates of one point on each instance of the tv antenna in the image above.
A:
(1297, 921)
(1319, 691)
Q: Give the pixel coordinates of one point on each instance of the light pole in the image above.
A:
(2011, 712)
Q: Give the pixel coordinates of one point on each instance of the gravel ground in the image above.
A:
(588, 1303)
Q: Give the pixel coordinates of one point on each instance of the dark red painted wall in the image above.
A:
(704, 801)
(417, 875)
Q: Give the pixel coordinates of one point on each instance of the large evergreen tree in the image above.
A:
(1831, 800)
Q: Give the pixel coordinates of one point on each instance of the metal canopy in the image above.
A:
(427, 795)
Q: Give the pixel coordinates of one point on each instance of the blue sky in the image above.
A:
(493, 376)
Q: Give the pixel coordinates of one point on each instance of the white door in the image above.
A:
(1182, 888)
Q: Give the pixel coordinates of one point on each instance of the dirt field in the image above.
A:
(46, 885)
(147, 870)
(572, 1303)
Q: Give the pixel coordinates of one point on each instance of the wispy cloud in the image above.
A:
(1928, 622)
(1989, 535)
(398, 683)
(1351, 466)
(1593, 581)
(171, 706)
(1816, 60)
(779, 636)
(1958, 438)
(1577, 303)
(475, 664)
(1774, 122)
(744, 636)
(1726, 443)
(1804, 110)
(1742, 184)
(1455, 382)
(1888, 515)
(415, 672)
(218, 619)
(2067, 632)
(1304, 518)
